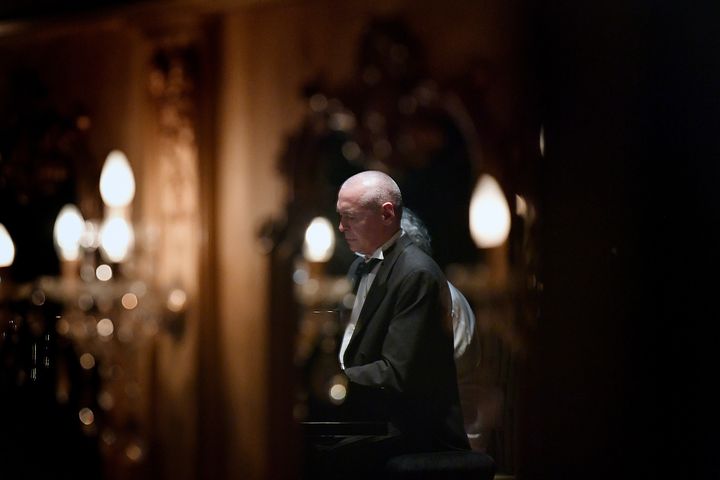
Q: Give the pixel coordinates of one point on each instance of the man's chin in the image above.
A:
(354, 247)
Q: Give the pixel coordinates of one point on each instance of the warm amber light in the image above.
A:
(7, 248)
(489, 214)
(129, 301)
(319, 240)
(90, 238)
(337, 393)
(338, 389)
(176, 300)
(87, 361)
(103, 273)
(87, 417)
(105, 327)
(133, 452)
(116, 239)
(106, 400)
(117, 183)
(67, 232)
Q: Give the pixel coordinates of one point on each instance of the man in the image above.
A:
(397, 351)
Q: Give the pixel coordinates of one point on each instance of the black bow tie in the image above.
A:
(362, 269)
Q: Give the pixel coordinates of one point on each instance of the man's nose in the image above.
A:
(341, 227)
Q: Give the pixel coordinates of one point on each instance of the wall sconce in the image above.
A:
(489, 283)
(488, 370)
(108, 314)
(115, 237)
(319, 294)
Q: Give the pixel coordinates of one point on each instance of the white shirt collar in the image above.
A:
(379, 252)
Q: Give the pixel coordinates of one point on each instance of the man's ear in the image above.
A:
(388, 212)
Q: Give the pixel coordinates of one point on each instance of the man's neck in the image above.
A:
(378, 252)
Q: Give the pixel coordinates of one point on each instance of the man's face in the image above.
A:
(364, 228)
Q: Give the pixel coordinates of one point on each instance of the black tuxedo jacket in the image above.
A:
(400, 359)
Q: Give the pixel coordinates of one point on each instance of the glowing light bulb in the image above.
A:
(117, 183)
(67, 232)
(116, 239)
(319, 240)
(489, 214)
(7, 248)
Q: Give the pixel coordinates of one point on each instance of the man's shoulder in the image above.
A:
(412, 258)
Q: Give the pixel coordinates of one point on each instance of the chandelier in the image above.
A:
(104, 307)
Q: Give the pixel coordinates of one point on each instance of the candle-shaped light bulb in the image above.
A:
(116, 239)
(7, 248)
(68, 230)
(117, 183)
(489, 214)
(319, 240)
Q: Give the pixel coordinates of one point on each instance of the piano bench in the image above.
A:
(451, 465)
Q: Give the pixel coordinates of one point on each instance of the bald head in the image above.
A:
(376, 188)
(370, 209)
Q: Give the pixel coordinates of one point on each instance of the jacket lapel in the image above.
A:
(377, 290)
